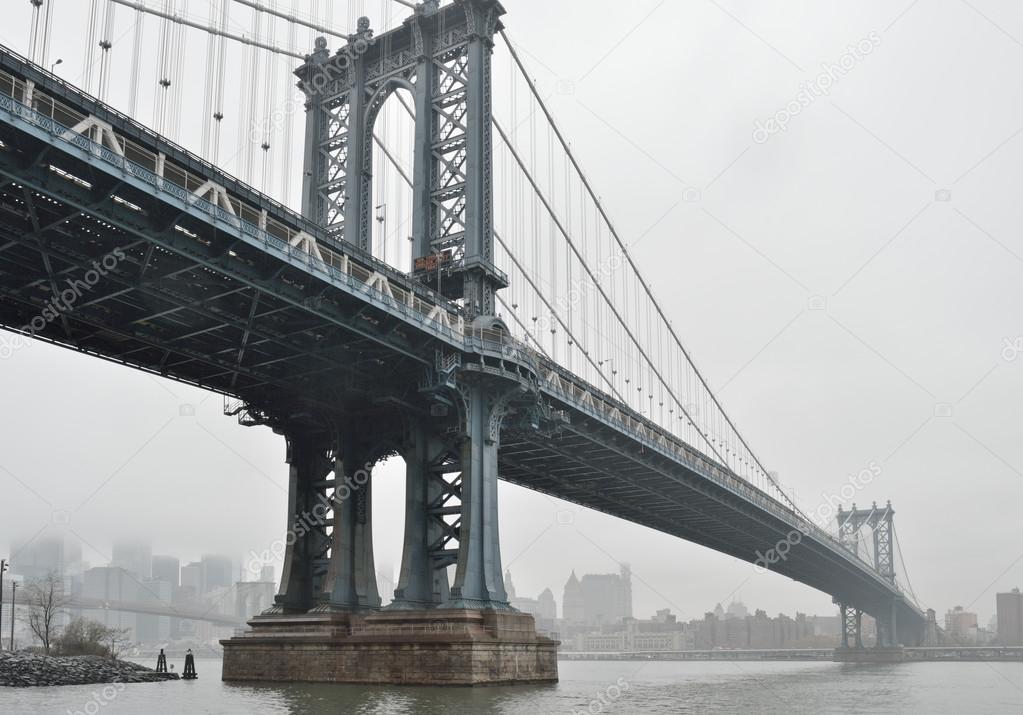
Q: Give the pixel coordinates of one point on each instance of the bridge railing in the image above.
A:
(396, 290)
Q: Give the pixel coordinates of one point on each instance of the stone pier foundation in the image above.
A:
(424, 647)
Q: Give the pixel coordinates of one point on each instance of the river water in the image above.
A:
(585, 687)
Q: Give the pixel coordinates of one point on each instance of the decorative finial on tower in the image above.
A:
(363, 37)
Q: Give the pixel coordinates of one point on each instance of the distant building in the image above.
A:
(133, 556)
(547, 606)
(151, 628)
(543, 608)
(736, 609)
(111, 584)
(167, 568)
(1010, 617)
(607, 598)
(573, 605)
(961, 626)
(191, 582)
(38, 557)
(216, 573)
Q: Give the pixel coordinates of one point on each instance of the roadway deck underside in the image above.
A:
(596, 469)
(176, 296)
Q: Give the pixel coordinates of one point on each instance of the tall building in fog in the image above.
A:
(608, 597)
(111, 583)
(573, 606)
(36, 558)
(168, 569)
(546, 606)
(133, 556)
(191, 581)
(1010, 617)
(598, 598)
(216, 572)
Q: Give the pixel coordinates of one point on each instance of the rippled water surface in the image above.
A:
(624, 687)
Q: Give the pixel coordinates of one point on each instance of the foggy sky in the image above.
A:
(893, 201)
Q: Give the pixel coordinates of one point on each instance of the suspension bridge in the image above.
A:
(437, 279)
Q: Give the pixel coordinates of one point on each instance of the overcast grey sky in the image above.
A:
(848, 286)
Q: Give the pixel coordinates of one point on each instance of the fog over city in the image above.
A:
(842, 257)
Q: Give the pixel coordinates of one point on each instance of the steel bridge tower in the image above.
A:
(880, 520)
(448, 428)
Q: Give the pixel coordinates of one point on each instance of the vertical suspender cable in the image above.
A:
(136, 61)
(105, 44)
(218, 77)
(90, 46)
(289, 109)
(178, 59)
(163, 80)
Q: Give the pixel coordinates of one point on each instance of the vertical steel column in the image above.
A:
(351, 582)
(479, 579)
(479, 199)
(305, 557)
(312, 172)
(358, 186)
(423, 581)
(422, 152)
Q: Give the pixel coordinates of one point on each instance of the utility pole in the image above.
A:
(3, 567)
(14, 591)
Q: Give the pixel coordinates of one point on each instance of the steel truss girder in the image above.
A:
(173, 245)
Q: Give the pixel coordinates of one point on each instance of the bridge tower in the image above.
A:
(441, 60)
(880, 520)
(447, 428)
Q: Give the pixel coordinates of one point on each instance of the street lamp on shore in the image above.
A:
(14, 592)
(3, 567)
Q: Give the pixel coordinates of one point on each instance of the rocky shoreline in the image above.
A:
(22, 670)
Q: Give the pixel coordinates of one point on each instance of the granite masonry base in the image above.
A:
(404, 647)
(869, 655)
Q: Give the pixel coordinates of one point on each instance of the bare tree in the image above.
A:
(116, 641)
(46, 602)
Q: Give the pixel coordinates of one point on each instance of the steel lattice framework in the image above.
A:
(442, 58)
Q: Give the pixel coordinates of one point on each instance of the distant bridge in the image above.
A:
(156, 609)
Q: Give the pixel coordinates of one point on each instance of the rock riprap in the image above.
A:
(21, 670)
